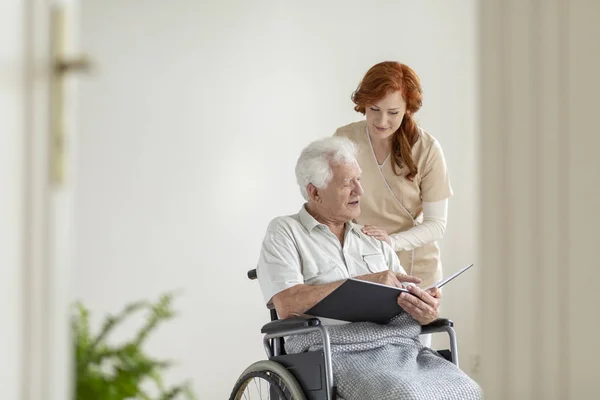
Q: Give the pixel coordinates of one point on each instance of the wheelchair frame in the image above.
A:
(302, 365)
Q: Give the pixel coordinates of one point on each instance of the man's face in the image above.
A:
(339, 202)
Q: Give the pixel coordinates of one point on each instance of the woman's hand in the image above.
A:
(377, 233)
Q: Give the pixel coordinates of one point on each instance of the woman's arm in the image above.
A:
(435, 215)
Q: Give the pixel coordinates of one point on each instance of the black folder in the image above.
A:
(356, 300)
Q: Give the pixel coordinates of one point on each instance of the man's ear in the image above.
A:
(313, 193)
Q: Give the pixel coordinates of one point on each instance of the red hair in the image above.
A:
(387, 77)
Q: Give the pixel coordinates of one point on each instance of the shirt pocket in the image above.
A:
(375, 262)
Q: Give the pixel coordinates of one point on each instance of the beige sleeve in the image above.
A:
(435, 181)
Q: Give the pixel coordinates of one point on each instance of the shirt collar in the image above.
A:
(309, 222)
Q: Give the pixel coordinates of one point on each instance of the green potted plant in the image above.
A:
(118, 372)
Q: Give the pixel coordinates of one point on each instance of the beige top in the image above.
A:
(394, 203)
(298, 249)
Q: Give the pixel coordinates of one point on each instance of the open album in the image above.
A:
(356, 300)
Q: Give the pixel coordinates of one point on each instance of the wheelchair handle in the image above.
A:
(252, 274)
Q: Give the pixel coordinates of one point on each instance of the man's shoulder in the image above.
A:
(358, 229)
(371, 241)
(285, 225)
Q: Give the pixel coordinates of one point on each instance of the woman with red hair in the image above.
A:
(404, 176)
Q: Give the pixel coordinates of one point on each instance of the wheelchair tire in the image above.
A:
(280, 379)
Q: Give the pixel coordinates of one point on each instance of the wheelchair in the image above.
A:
(309, 375)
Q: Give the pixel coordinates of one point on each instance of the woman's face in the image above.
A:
(385, 116)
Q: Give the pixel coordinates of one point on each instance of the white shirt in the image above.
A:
(297, 249)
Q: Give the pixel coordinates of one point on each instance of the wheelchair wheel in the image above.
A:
(267, 380)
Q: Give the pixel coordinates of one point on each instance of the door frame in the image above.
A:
(46, 350)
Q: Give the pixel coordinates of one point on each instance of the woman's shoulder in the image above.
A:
(427, 148)
(426, 142)
(352, 131)
(427, 139)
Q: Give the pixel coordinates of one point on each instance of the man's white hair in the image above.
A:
(314, 163)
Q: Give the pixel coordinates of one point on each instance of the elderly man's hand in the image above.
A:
(390, 278)
(421, 305)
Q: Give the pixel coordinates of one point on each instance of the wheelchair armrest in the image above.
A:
(439, 325)
(289, 324)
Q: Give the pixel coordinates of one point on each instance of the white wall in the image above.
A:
(189, 135)
(11, 196)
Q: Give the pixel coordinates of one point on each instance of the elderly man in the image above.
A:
(306, 256)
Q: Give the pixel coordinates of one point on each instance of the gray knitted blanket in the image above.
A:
(388, 362)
